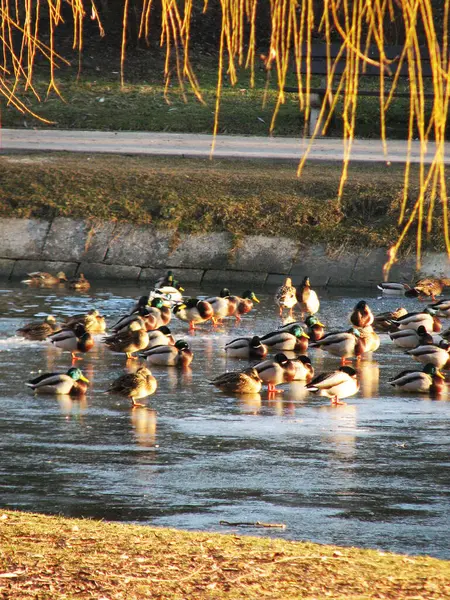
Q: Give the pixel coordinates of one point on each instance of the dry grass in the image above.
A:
(198, 195)
(49, 558)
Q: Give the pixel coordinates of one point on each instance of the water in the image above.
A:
(373, 473)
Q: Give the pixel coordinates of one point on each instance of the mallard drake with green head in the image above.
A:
(39, 330)
(160, 337)
(411, 338)
(275, 371)
(391, 288)
(335, 385)
(314, 328)
(133, 339)
(246, 347)
(79, 283)
(361, 316)
(223, 305)
(194, 311)
(42, 279)
(414, 320)
(143, 316)
(307, 298)
(286, 296)
(239, 382)
(437, 355)
(135, 385)
(179, 355)
(78, 340)
(58, 383)
(293, 339)
(345, 344)
(428, 380)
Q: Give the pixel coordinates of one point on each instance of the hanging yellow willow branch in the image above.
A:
(355, 25)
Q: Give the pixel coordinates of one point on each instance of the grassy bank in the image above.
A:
(196, 196)
(55, 558)
(96, 100)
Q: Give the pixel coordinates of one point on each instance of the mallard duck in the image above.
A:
(160, 337)
(194, 311)
(286, 296)
(179, 355)
(276, 371)
(57, 383)
(383, 321)
(246, 347)
(143, 316)
(432, 354)
(428, 380)
(78, 340)
(79, 283)
(432, 286)
(135, 385)
(307, 298)
(314, 328)
(239, 382)
(335, 384)
(244, 303)
(93, 322)
(168, 293)
(304, 371)
(223, 305)
(128, 341)
(167, 280)
(345, 344)
(410, 338)
(398, 289)
(414, 320)
(160, 311)
(361, 315)
(39, 330)
(293, 339)
(42, 279)
(442, 307)
(369, 339)
(446, 334)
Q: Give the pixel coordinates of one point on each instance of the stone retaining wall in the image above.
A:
(108, 250)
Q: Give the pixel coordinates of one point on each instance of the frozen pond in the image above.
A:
(373, 473)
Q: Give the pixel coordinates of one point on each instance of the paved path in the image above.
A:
(177, 144)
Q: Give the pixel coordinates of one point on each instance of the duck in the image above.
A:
(42, 279)
(413, 320)
(78, 340)
(79, 283)
(446, 334)
(168, 293)
(398, 289)
(160, 311)
(314, 328)
(93, 322)
(411, 338)
(286, 296)
(293, 339)
(437, 355)
(239, 382)
(442, 308)
(58, 383)
(307, 298)
(336, 385)
(246, 347)
(39, 330)
(223, 305)
(369, 339)
(274, 371)
(383, 321)
(345, 344)
(129, 340)
(135, 385)
(244, 304)
(148, 320)
(430, 379)
(194, 311)
(432, 286)
(167, 280)
(160, 337)
(361, 315)
(179, 355)
(304, 371)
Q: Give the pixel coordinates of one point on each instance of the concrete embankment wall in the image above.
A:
(109, 250)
